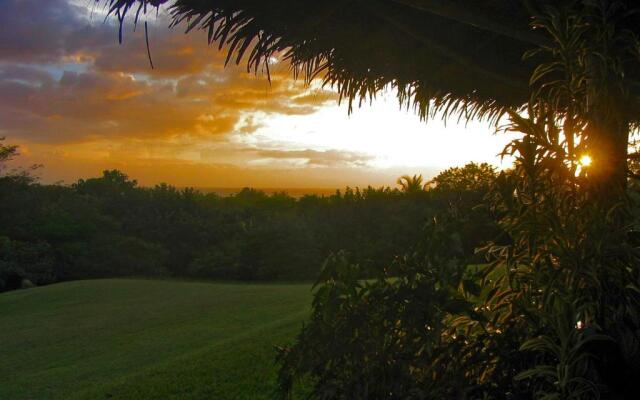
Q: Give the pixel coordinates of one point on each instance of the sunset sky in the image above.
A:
(78, 102)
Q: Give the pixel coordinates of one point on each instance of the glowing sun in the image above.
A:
(585, 160)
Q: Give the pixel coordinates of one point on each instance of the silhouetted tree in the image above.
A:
(7, 152)
(410, 184)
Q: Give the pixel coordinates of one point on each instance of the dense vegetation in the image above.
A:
(554, 313)
(111, 227)
(146, 339)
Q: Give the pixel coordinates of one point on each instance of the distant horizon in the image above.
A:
(238, 188)
(292, 192)
(319, 179)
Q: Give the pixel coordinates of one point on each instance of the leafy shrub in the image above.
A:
(25, 261)
(553, 314)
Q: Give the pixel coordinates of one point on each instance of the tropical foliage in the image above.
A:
(109, 226)
(553, 313)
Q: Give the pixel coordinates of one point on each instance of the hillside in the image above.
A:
(139, 339)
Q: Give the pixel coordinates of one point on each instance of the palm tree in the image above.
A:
(410, 184)
(460, 57)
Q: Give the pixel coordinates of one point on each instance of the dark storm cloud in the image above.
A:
(64, 77)
(44, 31)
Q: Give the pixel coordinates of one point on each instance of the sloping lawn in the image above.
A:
(145, 339)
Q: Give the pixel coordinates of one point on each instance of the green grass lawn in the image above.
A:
(145, 339)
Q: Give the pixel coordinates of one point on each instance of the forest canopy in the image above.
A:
(111, 227)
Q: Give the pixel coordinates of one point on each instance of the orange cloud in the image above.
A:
(114, 93)
(81, 102)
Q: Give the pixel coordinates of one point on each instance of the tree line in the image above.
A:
(110, 226)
